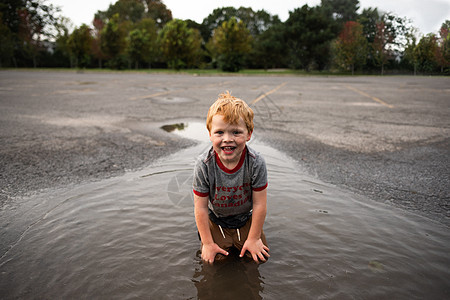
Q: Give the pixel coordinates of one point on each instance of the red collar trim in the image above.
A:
(235, 169)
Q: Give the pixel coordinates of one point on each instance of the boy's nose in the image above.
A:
(227, 137)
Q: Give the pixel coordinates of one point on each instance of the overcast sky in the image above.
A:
(426, 15)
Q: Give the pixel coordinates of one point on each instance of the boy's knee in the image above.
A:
(220, 257)
(248, 257)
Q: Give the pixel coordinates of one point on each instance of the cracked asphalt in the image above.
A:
(386, 138)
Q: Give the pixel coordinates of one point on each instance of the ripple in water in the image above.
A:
(135, 237)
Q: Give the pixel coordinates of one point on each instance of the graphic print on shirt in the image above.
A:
(232, 196)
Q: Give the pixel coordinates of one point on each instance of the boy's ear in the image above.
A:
(249, 136)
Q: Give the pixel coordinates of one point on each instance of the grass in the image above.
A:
(203, 72)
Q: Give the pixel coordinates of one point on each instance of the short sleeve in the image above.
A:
(259, 174)
(200, 183)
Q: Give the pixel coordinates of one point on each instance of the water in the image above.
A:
(134, 237)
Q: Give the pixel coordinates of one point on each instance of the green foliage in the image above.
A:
(136, 10)
(142, 46)
(269, 49)
(408, 59)
(113, 42)
(80, 45)
(127, 10)
(180, 45)
(351, 47)
(368, 19)
(137, 33)
(230, 43)
(61, 55)
(27, 25)
(158, 11)
(308, 34)
(341, 10)
(256, 22)
(424, 53)
(388, 36)
(7, 43)
(442, 54)
(215, 19)
(379, 48)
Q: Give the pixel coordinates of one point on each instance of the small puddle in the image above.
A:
(193, 130)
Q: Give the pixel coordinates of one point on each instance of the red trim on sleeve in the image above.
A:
(201, 194)
(261, 188)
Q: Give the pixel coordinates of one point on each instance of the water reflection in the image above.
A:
(172, 127)
(135, 237)
(189, 129)
(233, 278)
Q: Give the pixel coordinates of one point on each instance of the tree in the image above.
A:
(128, 10)
(369, 18)
(424, 53)
(80, 45)
(382, 39)
(230, 43)
(256, 22)
(351, 46)
(180, 45)
(137, 46)
(158, 12)
(136, 10)
(116, 27)
(142, 42)
(7, 43)
(269, 49)
(97, 51)
(442, 54)
(399, 29)
(30, 24)
(308, 33)
(341, 10)
(409, 58)
(114, 42)
(61, 56)
(215, 19)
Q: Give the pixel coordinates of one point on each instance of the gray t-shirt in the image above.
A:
(229, 191)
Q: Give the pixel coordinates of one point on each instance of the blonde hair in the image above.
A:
(232, 109)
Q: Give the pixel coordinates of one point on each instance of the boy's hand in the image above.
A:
(209, 252)
(256, 248)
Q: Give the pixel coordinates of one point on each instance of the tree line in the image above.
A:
(142, 34)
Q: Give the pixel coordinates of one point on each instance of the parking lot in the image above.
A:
(386, 138)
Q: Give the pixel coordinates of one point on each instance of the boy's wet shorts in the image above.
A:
(233, 237)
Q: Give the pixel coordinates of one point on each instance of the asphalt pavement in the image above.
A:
(386, 138)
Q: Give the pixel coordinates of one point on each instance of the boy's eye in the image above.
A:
(236, 132)
(219, 132)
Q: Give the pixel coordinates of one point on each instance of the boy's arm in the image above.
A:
(254, 244)
(209, 248)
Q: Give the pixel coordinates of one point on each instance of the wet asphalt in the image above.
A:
(386, 138)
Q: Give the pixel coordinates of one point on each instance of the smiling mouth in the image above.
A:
(228, 150)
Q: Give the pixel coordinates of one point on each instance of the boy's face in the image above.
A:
(228, 139)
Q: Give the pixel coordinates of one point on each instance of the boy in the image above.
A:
(230, 185)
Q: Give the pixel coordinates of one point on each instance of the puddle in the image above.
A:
(173, 127)
(135, 237)
(193, 130)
